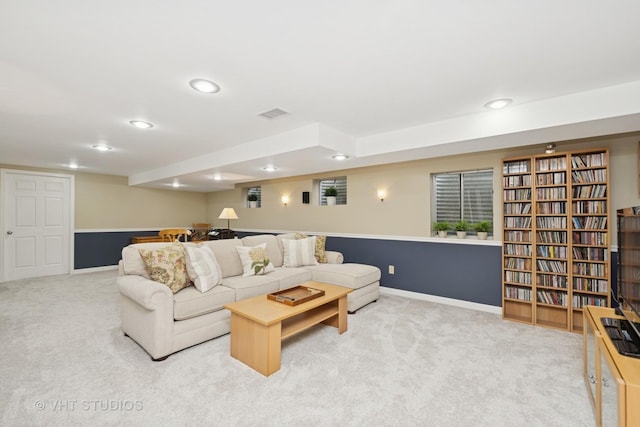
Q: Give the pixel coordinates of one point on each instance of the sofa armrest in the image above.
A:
(334, 257)
(147, 293)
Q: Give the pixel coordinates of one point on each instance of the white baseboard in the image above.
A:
(442, 300)
(94, 269)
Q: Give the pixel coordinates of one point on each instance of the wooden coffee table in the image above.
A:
(258, 325)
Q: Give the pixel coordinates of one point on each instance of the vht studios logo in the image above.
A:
(88, 405)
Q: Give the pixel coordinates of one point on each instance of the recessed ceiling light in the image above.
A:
(270, 168)
(101, 147)
(141, 124)
(217, 178)
(175, 184)
(340, 157)
(73, 166)
(496, 104)
(206, 86)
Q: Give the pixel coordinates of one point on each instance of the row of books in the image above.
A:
(516, 181)
(517, 167)
(590, 269)
(589, 160)
(522, 294)
(594, 191)
(551, 266)
(518, 263)
(551, 178)
(551, 193)
(551, 208)
(590, 237)
(591, 175)
(556, 163)
(580, 301)
(517, 208)
(591, 285)
(517, 236)
(552, 298)
(517, 277)
(593, 206)
(551, 236)
(517, 221)
(551, 222)
(522, 250)
(590, 222)
(590, 254)
(551, 251)
(520, 194)
(552, 281)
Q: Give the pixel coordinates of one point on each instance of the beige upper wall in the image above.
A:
(406, 210)
(108, 202)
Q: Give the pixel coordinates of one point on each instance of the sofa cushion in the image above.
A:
(299, 252)
(132, 261)
(255, 260)
(290, 277)
(321, 241)
(247, 287)
(167, 265)
(190, 302)
(349, 275)
(274, 250)
(203, 268)
(227, 256)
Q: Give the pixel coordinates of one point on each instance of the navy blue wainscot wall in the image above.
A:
(99, 249)
(460, 271)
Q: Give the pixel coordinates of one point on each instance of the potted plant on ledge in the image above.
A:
(482, 228)
(331, 193)
(253, 200)
(442, 228)
(461, 229)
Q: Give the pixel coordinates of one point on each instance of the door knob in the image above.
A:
(9, 232)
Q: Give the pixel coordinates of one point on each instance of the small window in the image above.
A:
(340, 185)
(464, 196)
(254, 197)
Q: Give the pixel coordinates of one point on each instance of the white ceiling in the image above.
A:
(380, 81)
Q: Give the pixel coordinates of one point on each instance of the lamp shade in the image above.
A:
(228, 213)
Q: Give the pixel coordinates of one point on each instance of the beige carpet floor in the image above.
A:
(403, 362)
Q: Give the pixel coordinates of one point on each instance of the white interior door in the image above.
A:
(37, 212)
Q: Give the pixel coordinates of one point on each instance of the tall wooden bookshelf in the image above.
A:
(555, 250)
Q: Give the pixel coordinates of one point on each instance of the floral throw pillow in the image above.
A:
(321, 241)
(255, 260)
(167, 265)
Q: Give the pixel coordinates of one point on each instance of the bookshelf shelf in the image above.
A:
(556, 237)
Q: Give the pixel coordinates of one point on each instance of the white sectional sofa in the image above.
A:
(163, 322)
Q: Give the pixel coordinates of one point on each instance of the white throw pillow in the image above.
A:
(300, 252)
(255, 260)
(203, 268)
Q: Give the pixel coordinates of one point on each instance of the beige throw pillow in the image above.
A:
(321, 256)
(167, 265)
(255, 260)
(203, 268)
(299, 252)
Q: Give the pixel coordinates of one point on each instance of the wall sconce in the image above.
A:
(550, 148)
(381, 195)
(285, 200)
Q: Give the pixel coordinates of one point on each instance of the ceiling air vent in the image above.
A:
(273, 113)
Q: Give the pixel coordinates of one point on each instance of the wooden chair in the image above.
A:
(200, 232)
(174, 234)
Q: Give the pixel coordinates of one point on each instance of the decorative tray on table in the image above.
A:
(296, 295)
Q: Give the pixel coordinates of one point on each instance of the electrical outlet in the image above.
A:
(392, 269)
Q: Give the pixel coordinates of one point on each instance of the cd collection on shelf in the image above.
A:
(555, 238)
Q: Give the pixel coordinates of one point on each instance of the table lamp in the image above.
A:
(228, 213)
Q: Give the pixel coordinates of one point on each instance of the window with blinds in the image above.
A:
(463, 196)
(258, 192)
(341, 185)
